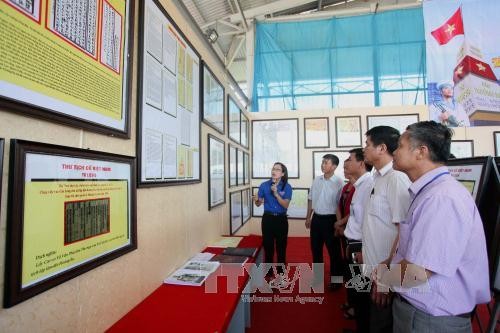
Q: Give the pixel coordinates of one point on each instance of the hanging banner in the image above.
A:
(463, 61)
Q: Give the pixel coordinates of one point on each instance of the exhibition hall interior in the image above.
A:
(155, 154)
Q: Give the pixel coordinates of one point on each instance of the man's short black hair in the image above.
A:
(384, 135)
(436, 137)
(358, 153)
(333, 158)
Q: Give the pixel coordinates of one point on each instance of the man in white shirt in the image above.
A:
(387, 206)
(322, 206)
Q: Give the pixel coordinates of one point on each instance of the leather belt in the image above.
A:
(274, 214)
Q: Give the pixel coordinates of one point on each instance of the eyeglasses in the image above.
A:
(277, 169)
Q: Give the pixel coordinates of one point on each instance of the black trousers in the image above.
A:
(322, 231)
(275, 230)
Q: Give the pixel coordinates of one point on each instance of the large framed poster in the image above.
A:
(69, 62)
(275, 141)
(462, 148)
(213, 100)
(234, 120)
(240, 167)
(398, 121)
(70, 210)
(316, 133)
(318, 159)
(496, 138)
(348, 131)
(2, 143)
(235, 212)
(216, 172)
(246, 205)
(297, 208)
(168, 145)
(233, 176)
(244, 130)
(246, 168)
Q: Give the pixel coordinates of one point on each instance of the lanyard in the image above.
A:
(422, 188)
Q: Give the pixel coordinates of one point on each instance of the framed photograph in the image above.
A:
(462, 148)
(170, 84)
(246, 168)
(316, 133)
(213, 100)
(496, 140)
(348, 131)
(398, 121)
(95, 95)
(318, 159)
(240, 169)
(246, 199)
(72, 215)
(244, 130)
(216, 172)
(297, 208)
(234, 120)
(275, 141)
(235, 212)
(233, 176)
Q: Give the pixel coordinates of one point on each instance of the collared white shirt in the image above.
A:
(387, 205)
(325, 194)
(363, 187)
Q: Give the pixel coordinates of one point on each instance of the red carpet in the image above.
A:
(276, 316)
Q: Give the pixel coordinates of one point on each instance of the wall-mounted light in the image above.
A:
(212, 35)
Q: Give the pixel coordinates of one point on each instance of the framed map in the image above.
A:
(213, 100)
(216, 172)
(398, 121)
(348, 131)
(318, 159)
(316, 133)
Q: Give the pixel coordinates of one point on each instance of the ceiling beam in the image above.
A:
(235, 47)
(240, 11)
(215, 45)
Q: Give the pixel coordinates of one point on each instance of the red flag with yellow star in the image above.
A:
(451, 28)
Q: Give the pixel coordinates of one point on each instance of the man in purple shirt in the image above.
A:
(440, 269)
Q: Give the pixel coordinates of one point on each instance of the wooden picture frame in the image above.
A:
(96, 95)
(297, 210)
(233, 165)
(213, 103)
(462, 148)
(398, 121)
(233, 120)
(496, 142)
(216, 171)
(235, 212)
(316, 132)
(169, 101)
(348, 132)
(317, 157)
(74, 214)
(275, 140)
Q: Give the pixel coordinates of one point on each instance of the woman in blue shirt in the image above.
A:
(276, 194)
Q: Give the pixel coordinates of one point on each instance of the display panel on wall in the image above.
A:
(234, 120)
(233, 177)
(2, 143)
(244, 130)
(297, 208)
(246, 167)
(246, 205)
(240, 169)
(316, 133)
(275, 141)
(462, 148)
(348, 131)
(213, 100)
(68, 62)
(496, 140)
(67, 217)
(398, 121)
(217, 172)
(235, 212)
(318, 159)
(471, 172)
(168, 142)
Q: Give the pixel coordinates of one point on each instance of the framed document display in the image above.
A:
(240, 168)
(348, 131)
(316, 133)
(246, 168)
(246, 207)
(297, 208)
(213, 100)
(462, 148)
(216, 172)
(168, 145)
(235, 212)
(398, 121)
(275, 141)
(71, 215)
(234, 120)
(69, 62)
(2, 144)
(233, 175)
(472, 173)
(496, 141)
(318, 159)
(244, 130)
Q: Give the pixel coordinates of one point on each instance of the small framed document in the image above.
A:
(462, 148)
(213, 100)
(216, 172)
(316, 133)
(348, 131)
(496, 140)
(235, 212)
(318, 158)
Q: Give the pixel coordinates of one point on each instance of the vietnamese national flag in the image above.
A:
(451, 28)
